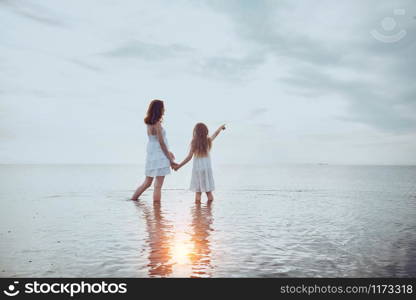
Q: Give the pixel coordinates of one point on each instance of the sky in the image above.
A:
(295, 81)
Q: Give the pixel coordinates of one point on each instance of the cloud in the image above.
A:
(149, 51)
(85, 65)
(34, 12)
(380, 92)
(258, 112)
(229, 68)
(260, 22)
(368, 102)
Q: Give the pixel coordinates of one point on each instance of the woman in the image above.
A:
(159, 159)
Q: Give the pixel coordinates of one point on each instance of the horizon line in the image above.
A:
(219, 164)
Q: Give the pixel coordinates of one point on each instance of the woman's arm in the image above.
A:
(217, 132)
(163, 144)
(186, 160)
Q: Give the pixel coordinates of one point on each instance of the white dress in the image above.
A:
(202, 176)
(157, 164)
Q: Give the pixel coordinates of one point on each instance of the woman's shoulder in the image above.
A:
(151, 129)
(156, 127)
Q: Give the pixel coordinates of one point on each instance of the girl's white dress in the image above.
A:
(157, 164)
(202, 176)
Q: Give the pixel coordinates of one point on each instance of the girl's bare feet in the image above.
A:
(210, 197)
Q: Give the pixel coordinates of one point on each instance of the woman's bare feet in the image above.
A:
(140, 190)
(198, 197)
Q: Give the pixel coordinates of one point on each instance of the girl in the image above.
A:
(159, 159)
(202, 179)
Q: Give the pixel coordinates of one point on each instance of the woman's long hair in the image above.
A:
(201, 142)
(154, 112)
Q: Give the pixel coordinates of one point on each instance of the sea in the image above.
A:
(265, 221)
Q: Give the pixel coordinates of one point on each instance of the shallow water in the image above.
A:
(296, 221)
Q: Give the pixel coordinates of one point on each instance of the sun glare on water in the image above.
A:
(181, 252)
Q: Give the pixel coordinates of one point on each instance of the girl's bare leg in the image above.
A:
(157, 193)
(145, 185)
(198, 197)
(210, 197)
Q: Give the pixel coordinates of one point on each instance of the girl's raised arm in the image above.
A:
(217, 132)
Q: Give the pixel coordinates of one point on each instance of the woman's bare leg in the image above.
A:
(145, 185)
(157, 193)
(198, 197)
(210, 197)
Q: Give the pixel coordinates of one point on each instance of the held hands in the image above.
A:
(174, 166)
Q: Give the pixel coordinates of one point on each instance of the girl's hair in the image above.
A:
(154, 112)
(201, 142)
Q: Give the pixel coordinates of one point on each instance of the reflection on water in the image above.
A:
(159, 242)
(167, 251)
(202, 227)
